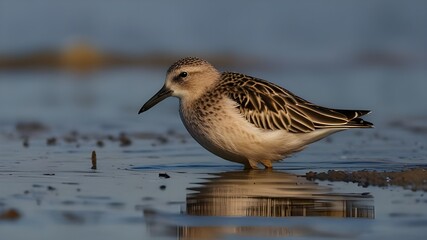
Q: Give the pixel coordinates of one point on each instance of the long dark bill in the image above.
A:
(158, 97)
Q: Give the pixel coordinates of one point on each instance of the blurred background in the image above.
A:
(92, 64)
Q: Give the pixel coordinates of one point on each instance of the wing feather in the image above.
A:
(272, 107)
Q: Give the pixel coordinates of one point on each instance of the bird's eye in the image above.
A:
(183, 74)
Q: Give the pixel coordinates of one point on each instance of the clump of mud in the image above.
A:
(414, 179)
(30, 127)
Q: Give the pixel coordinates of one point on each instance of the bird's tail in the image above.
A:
(354, 120)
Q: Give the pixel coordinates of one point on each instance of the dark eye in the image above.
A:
(183, 74)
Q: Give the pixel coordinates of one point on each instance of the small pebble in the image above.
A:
(51, 141)
(10, 214)
(124, 140)
(164, 175)
(25, 143)
(100, 143)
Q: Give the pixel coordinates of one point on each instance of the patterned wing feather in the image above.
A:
(271, 107)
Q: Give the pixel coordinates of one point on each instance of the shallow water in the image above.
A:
(58, 196)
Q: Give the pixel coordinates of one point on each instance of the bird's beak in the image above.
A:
(158, 97)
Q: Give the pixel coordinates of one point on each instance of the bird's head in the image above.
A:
(186, 79)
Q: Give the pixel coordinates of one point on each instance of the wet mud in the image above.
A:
(413, 179)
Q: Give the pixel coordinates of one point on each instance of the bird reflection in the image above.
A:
(273, 194)
(263, 204)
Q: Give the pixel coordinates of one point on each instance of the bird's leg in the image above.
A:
(267, 164)
(250, 164)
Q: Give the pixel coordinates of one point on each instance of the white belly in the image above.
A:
(230, 136)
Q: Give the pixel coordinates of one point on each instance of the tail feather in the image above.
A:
(352, 114)
(354, 120)
(359, 123)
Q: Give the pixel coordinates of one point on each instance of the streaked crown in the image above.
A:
(188, 61)
(190, 77)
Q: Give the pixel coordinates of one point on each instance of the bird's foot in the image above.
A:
(267, 164)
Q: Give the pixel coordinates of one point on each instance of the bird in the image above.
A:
(244, 119)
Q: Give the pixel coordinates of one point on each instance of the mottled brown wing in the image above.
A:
(271, 107)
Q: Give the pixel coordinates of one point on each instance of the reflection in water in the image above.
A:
(264, 203)
(272, 194)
